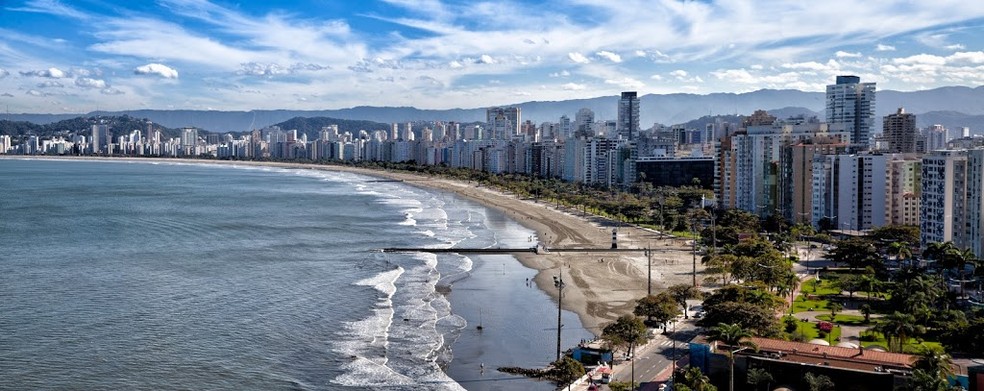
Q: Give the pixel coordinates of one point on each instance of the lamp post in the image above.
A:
(559, 283)
(649, 264)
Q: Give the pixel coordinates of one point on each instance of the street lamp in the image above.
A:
(559, 283)
(649, 264)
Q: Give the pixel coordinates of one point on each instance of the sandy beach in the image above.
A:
(600, 286)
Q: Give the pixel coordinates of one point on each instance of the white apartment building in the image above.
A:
(902, 198)
(953, 199)
(849, 190)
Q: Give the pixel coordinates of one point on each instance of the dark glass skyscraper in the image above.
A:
(628, 115)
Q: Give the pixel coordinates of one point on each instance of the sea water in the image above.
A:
(160, 275)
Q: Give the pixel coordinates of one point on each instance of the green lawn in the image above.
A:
(810, 331)
(912, 346)
(850, 320)
(801, 305)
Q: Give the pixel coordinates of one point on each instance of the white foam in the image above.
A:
(383, 282)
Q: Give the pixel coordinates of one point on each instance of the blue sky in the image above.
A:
(77, 56)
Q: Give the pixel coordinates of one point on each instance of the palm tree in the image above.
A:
(758, 376)
(818, 382)
(736, 338)
(900, 250)
(898, 328)
(696, 380)
(936, 362)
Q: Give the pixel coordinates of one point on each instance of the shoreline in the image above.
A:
(601, 286)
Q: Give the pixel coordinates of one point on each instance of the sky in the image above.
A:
(84, 55)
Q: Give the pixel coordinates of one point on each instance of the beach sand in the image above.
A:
(600, 286)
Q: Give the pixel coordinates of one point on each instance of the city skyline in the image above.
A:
(195, 54)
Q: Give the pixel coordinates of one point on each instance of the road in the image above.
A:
(652, 361)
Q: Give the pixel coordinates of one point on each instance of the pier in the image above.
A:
(461, 250)
(535, 250)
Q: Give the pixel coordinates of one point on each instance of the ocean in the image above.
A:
(161, 275)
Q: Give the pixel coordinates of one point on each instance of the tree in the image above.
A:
(758, 376)
(834, 308)
(896, 233)
(900, 250)
(898, 328)
(694, 379)
(935, 362)
(737, 339)
(866, 311)
(856, 253)
(566, 370)
(818, 382)
(719, 264)
(683, 292)
(921, 380)
(627, 331)
(662, 308)
(850, 283)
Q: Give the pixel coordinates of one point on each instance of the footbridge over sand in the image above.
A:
(534, 250)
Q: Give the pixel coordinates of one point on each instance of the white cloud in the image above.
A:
(610, 56)
(111, 91)
(843, 54)
(573, 86)
(956, 46)
(966, 57)
(884, 48)
(921, 59)
(86, 82)
(578, 58)
(656, 77)
(50, 84)
(563, 73)
(35, 93)
(735, 75)
(626, 82)
(679, 73)
(274, 69)
(53, 7)
(757, 67)
(485, 59)
(4, 73)
(455, 64)
(53, 73)
(157, 69)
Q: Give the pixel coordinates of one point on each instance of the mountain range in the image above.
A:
(952, 107)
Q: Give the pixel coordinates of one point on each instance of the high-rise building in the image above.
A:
(583, 121)
(504, 121)
(936, 137)
(100, 135)
(628, 115)
(849, 190)
(952, 202)
(899, 131)
(851, 109)
(902, 197)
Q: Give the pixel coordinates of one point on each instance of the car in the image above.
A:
(663, 387)
(699, 314)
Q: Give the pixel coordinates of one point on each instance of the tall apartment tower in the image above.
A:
(504, 122)
(100, 133)
(952, 202)
(583, 122)
(936, 137)
(851, 109)
(628, 115)
(899, 130)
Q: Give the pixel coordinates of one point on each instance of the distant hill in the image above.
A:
(312, 126)
(667, 109)
(81, 125)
